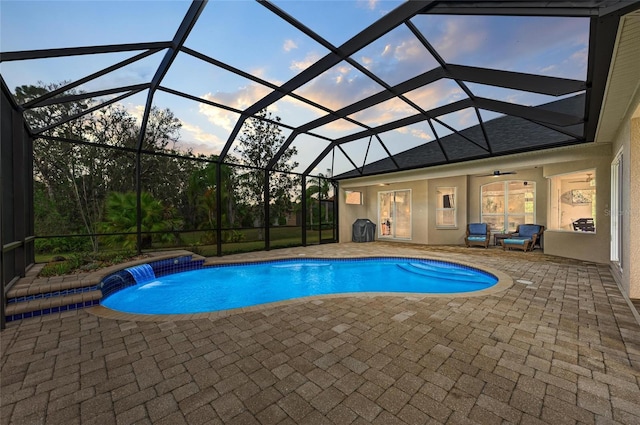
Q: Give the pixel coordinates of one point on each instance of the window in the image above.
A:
(353, 197)
(446, 208)
(394, 214)
(617, 190)
(507, 204)
(573, 202)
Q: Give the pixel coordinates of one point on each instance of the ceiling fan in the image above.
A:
(497, 173)
(587, 180)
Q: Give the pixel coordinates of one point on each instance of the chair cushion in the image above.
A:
(515, 241)
(528, 230)
(477, 238)
(477, 228)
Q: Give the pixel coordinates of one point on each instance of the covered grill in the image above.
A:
(364, 230)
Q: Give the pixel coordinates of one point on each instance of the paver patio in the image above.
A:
(562, 349)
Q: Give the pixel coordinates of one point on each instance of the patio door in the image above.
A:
(394, 214)
(617, 235)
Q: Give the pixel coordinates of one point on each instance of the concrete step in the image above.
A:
(34, 296)
(18, 310)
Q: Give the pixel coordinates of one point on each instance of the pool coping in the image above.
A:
(504, 282)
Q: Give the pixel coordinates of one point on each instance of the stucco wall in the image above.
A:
(585, 246)
(349, 213)
(533, 167)
(628, 140)
(423, 205)
(453, 236)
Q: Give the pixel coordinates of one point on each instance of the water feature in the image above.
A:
(142, 273)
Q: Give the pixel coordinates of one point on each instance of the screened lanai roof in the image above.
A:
(358, 87)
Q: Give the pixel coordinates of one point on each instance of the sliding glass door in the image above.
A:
(394, 214)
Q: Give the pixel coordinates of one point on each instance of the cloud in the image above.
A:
(462, 119)
(339, 86)
(218, 117)
(548, 69)
(199, 148)
(524, 44)
(457, 40)
(191, 136)
(138, 112)
(416, 132)
(289, 45)
(309, 60)
(409, 51)
(436, 94)
(258, 72)
(396, 57)
(421, 134)
(367, 61)
(385, 112)
(240, 99)
(198, 136)
(369, 4)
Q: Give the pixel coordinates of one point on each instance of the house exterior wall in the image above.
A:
(419, 209)
(628, 140)
(533, 166)
(453, 236)
(585, 246)
(530, 175)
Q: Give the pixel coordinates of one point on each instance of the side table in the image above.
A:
(499, 237)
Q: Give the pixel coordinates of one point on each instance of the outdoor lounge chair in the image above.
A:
(477, 234)
(526, 237)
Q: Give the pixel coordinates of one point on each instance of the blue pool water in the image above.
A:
(233, 286)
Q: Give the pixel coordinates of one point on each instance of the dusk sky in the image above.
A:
(246, 35)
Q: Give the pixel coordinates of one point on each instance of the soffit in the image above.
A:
(624, 78)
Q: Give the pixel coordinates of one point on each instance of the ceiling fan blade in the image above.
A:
(585, 180)
(497, 173)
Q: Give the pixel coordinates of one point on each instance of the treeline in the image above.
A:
(85, 177)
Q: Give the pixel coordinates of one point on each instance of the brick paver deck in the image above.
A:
(561, 348)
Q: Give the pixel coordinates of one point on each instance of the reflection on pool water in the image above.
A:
(241, 285)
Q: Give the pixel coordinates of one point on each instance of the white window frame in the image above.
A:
(505, 214)
(616, 210)
(442, 191)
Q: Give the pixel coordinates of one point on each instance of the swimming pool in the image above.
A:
(225, 287)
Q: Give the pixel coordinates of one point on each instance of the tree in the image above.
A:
(317, 191)
(202, 197)
(121, 217)
(260, 140)
(78, 177)
(58, 166)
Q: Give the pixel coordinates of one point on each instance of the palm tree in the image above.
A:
(317, 192)
(121, 217)
(202, 194)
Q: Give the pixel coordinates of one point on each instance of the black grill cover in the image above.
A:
(364, 230)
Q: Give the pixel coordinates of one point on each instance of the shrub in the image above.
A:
(85, 262)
